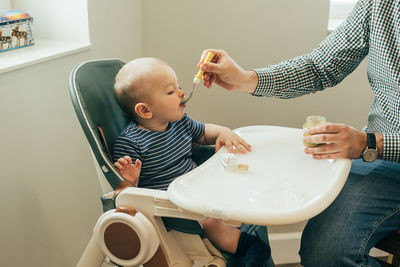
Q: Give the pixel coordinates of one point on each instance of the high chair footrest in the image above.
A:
(390, 243)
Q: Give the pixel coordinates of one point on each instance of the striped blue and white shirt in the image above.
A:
(164, 155)
(373, 29)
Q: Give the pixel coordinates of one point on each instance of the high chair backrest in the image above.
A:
(102, 120)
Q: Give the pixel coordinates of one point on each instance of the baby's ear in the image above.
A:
(143, 110)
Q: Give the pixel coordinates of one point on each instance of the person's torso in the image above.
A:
(164, 155)
(384, 66)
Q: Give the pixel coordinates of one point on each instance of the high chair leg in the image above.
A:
(92, 256)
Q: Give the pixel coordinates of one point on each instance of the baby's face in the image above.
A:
(165, 97)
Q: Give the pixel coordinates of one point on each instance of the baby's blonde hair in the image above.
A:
(130, 82)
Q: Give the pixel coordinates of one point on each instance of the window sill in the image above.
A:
(41, 51)
(333, 24)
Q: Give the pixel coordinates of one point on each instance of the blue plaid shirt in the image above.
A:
(373, 29)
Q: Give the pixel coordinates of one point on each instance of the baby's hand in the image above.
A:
(129, 171)
(230, 140)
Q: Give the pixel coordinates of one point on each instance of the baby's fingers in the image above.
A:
(138, 164)
(122, 161)
(246, 145)
(117, 165)
(128, 159)
(229, 147)
(240, 147)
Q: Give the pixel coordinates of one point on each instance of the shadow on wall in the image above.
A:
(23, 225)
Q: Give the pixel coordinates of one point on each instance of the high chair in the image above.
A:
(139, 226)
(390, 244)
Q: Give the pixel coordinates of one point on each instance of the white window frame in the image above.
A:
(338, 12)
(60, 28)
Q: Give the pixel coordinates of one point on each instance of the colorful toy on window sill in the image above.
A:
(15, 29)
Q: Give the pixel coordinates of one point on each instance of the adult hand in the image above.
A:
(340, 141)
(225, 72)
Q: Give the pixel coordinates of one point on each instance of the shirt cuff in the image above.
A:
(265, 83)
(391, 147)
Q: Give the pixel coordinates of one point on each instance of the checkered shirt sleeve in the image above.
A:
(371, 29)
(391, 146)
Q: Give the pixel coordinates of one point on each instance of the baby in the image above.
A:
(156, 146)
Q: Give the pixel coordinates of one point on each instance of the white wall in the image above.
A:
(48, 186)
(255, 33)
(5, 4)
(49, 192)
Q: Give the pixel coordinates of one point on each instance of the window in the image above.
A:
(338, 12)
(59, 28)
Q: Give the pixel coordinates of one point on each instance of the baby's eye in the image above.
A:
(171, 92)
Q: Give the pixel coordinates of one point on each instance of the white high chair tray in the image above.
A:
(283, 185)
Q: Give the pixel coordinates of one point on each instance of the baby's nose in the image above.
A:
(181, 93)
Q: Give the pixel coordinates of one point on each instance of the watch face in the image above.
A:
(370, 155)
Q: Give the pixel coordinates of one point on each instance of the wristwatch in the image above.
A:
(371, 152)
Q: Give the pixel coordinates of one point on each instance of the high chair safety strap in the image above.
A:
(104, 141)
(124, 184)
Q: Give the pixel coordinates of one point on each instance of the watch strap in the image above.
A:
(371, 140)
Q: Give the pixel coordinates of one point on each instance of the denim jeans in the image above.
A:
(367, 208)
